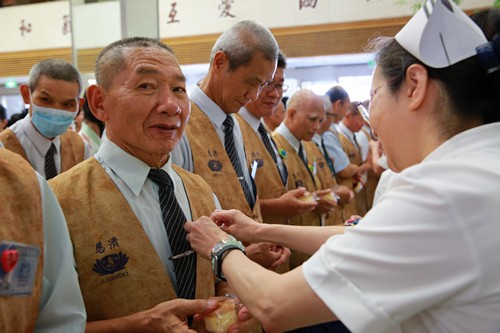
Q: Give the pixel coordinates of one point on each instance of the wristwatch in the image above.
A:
(218, 252)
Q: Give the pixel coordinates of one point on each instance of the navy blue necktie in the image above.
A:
(174, 220)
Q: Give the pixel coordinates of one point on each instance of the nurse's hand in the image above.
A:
(237, 224)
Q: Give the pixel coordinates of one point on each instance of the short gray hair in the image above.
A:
(243, 40)
(111, 59)
(56, 69)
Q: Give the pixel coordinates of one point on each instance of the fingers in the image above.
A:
(186, 307)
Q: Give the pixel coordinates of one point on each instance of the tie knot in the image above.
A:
(228, 123)
(262, 129)
(52, 149)
(160, 177)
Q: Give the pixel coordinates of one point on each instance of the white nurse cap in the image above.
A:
(440, 34)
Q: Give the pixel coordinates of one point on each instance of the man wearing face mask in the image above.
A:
(52, 92)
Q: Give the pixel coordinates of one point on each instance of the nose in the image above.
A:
(168, 103)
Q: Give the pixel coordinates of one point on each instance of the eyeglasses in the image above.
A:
(365, 113)
(280, 87)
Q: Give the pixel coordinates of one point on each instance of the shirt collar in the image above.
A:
(283, 130)
(250, 118)
(41, 143)
(207, 106)
(130, 169)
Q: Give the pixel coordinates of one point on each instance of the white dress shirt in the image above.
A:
(131, 177)
(36, 145)
(426, 258)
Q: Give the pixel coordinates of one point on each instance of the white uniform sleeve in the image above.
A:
(409, 253)
(61, 306)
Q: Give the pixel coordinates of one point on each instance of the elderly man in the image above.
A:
(42, 138)
(242, 62)
(306, 112)
(133, 260)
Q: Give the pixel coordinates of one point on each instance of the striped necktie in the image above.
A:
(50, 164)
(174, 219)
(231, 153)
(267, 142)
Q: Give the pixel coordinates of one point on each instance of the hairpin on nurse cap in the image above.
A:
(441, 34)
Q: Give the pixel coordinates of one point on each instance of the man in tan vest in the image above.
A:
(39, 288)
(305, 113)
(268, 166)
(42, 137)
(242, 61)
(271, 174)
(344, 169)
(348, 129)
(327, 175)
(126, 207)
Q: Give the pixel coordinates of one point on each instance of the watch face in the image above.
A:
(218, 246)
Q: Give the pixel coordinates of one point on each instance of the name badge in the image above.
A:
(255, 164)
(18, 267)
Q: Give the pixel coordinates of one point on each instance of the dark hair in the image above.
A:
(284, 100)
(337, 92)
(281, 60)
(111, 59)
(3, 112)
(56, 69)
(471, 93)
(488, 20)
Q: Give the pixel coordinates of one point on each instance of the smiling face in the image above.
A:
(233, 89)
(146, 108)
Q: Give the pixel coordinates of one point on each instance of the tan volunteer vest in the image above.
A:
(358, 205)
(325, 178)
(22, 222)
(372, 179)
(213, 165)
(119, 271)
(72, 147)
(298, 176)
(267, 178)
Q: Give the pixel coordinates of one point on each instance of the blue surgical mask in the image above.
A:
(51, 122)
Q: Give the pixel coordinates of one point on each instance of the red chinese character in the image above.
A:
(307, 3)
(25, 28)
(225, 7)
(173, 13)
(66, 24)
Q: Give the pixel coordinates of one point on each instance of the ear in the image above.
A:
(25, 92)
(220, 61)
(95, 96)
(417, 83)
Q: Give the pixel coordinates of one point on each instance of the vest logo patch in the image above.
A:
(321, 164)
(110, 264)
(215, 165)
(260, 162)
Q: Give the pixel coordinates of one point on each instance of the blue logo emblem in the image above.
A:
(215, 165)
(110, 264)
